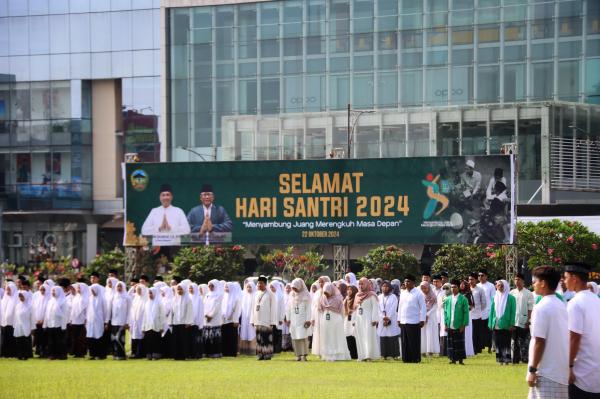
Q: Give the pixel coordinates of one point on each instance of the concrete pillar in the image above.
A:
(91, 242)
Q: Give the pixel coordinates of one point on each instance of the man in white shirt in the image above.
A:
(470, 180)
(584, 333)
(264, 319)
(520, 335)
(411, 316)
(480, 305)
(490, 291)
(166, 219)
(547, 374)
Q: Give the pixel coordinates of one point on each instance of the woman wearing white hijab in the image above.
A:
(213, 313)
(232, 308)
(286, 339)
(502, 321)
(119, 319)
(24, 324)
(136, 316)
(55, 323)
(298, 317)
(167, 296)
(109, 293)
(182, 319)
(316, 296)
(351, 279)
(247, 331)
(196, 349)
(79, 306)
(96, 321)
(275, 287)
(153, 323)
(39, 303)
(7, 316)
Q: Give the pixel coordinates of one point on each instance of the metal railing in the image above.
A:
(574, 164)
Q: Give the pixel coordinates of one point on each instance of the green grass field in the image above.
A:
(281, 377)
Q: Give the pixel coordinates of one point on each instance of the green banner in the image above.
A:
(429, 200)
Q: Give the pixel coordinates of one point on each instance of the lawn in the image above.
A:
(245, 377)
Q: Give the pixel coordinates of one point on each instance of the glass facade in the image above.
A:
(51, 52)
(317, 56)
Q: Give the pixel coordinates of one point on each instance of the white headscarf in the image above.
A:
(137, 311)
(154, 313)
(203, 290)
(231, 299)
(120, 305)
(40, 301)
(594, 287)
(197, 305)
(500, 299)
(214, 298)
(247, 298)
(56, 310)
(109, 292)
(96, 312)
(8, 304)
(23, 319)
(80, 302)
(350, 278)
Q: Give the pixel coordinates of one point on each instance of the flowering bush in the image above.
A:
(555, 242)
(204, 263)
(388, 262)
(459, 260)
(102, 263)
(290, 265)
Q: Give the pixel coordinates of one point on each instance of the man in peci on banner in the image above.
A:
(166, 218)
(208, 217)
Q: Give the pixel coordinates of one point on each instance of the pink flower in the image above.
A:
(557, 260)
(386, 266)
(550, 251)
(570, 239)
(491, 254)
(594, 246)
(490, 246)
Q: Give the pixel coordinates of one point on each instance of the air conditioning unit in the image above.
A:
(16, 240)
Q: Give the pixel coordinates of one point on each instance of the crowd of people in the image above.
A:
(553, 329)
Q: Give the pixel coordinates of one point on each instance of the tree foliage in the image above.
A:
(291, 264)
(388, 262)
(459, 260)
(204, 263)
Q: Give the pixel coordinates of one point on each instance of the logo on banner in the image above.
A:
(139, 180)
(435, 197)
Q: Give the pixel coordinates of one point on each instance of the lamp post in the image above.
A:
(352, 126)
(213, 157)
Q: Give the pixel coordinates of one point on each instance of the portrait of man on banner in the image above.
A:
(209, 218)
(166, 219)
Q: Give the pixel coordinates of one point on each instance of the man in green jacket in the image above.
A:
(456, 318)
(502, 321)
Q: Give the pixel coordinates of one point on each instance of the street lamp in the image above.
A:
(352, 126)
(197, 153)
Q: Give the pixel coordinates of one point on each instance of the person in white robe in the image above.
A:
(387, 327)
(196, 329)
(316, 296)
(298, 318)
(264, 318)
(7, 315)
(231, 308)
(153, 323)
(136, 317)
(166, 219)
(213, 313)
(96, 322)
(430, 343)
(40, 301)
(167, 296)
(350, 279)
(24, 324)
(182, 319)
(286, 340)
(412, 313)
(247, 332)
(366, 317)
(55, 323)
(109, 293)
(277, 290)
(79, 306)
(331, 325)
(119, 319)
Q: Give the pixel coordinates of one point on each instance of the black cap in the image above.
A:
(166, 187)
(177, 279)
(483, 271)
(206, 188)
(426, 274)
(576, 267)
(144, 277)
(410, 277)
(437, 276)
(520, 275)
(444, 274)
(113, 271)
(159, 278)
(25, 283)
(455, 282)
(262, 278)
(474, 275)
(94, 274)
(81, 280)
(64, 282)
(135, 280)
(41, 278)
